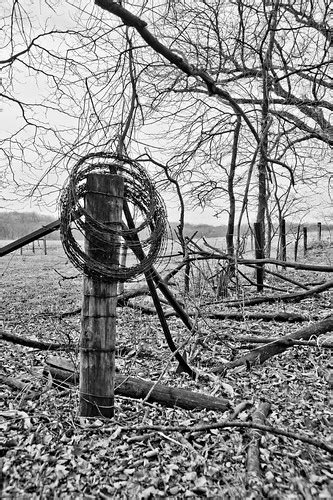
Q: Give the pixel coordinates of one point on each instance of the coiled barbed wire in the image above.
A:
(150, 235)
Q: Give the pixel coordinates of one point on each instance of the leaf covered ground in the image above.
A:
(49, 451)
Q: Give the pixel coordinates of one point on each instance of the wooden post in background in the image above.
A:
(319, 231)
(33, 246)
(103, 201)
(283, 241)
(258, 239)
(305, 240)
(298, 235)
(123, 257)
(44, 242)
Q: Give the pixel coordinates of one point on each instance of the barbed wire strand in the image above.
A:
(139, 191)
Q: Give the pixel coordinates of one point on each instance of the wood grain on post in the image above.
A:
(103, 202)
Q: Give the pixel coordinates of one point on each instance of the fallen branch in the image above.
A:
(14, 383)
(122, 300)
(37, 344)
(152, 279)
(294, 265)
(289, 342)
(121, 350)
(288, 297)
(136, 388)
(203, 255)
(261, 354)
(286, 278)
(229, 424)
(254, 476)
(237, 316)
(24, 387)
(173, 272)
(243, 316)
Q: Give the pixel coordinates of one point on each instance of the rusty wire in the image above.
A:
(139, 191)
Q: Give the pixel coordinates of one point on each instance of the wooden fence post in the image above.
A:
(33, 246)
(305, 240)
(298, 235)
(283, 242)
(45, 249)
(103, 201)
(319, 231)
(258, 239)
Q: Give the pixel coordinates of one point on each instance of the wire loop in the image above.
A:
(139, 192)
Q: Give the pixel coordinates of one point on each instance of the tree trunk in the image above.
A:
(231, 194)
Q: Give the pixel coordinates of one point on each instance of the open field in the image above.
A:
(247, 243)
(48, 451)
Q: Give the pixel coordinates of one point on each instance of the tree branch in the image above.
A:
(131, 20)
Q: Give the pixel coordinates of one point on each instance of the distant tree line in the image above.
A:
(201, 230)
(14, 225)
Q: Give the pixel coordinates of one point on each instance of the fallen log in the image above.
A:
(64, 370)
(266, 340)
(261, 354)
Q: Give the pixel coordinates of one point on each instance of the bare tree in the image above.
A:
(184, 71)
